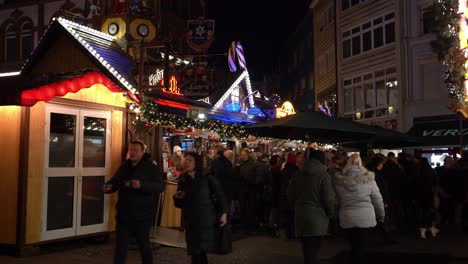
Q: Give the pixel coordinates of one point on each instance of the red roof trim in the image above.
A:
(46, 92)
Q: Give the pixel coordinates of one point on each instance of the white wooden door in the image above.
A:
(77, 162)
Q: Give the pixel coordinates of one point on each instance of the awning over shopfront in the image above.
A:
(442, 131)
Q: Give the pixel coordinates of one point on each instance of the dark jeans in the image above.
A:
(310, 249)
(425, 215)
(357, 237)
(200, 258)
(141, 233)
(250, 208)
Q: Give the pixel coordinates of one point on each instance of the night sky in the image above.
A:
(262, 26)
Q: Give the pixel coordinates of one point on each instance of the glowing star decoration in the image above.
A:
(286, 109)
(173, 88)
(463, 37)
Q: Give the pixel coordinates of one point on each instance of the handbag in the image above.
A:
(223, 239)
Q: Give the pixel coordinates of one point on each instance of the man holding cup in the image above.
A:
(137, 181)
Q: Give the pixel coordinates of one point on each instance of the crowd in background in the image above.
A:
(332, 193)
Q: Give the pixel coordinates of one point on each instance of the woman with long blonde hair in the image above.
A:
(360, 205)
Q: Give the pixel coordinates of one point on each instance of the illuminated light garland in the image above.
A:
(449, 18)
(9, 74)
(151, 116)
(72, 27)
(244, 76)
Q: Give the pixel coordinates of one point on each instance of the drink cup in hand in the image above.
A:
(180, 195)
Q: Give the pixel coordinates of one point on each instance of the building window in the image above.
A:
(11, 43)
(427, 23)
(26, 40)
(368, 36)
(372, 94)
(347, 4)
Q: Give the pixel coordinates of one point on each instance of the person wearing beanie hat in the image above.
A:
(313, 196)
(177, 160)
(290, 171)
(291, 158)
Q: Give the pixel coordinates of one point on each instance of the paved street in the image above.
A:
(450, 247)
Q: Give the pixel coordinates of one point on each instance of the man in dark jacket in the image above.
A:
(313, 196)
(395, 178)
(223, 170)
(137, 180)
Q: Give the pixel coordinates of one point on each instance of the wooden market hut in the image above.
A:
(63, 133)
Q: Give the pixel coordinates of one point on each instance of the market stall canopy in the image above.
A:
(386, 139)
(443, 131)
(69, 57)
(312, 126)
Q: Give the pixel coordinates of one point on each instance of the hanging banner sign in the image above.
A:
(155, 78)
(200, 34)
(286, 109)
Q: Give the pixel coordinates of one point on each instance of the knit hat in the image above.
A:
(317, 155)
(176, 148)
(291, 158)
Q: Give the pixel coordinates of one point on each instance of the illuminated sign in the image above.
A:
(232, 107)
(173, 88)
(155, 78)
(286, 109)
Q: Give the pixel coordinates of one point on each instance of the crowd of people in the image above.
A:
(333, 193)
(306, 196)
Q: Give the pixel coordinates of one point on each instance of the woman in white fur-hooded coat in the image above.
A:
(359, 199)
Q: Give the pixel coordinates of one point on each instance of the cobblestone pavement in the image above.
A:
(450, 247)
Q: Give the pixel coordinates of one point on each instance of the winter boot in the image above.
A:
(422, 233)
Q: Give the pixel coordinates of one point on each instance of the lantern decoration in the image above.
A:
(173, 87)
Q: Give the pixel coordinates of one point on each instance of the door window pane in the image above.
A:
(356, 45)
(390, 33)
(359, 98)
(60, 198)
(367, 41)
(11, 45)
(62, 141)
(378, 37)
(392, 85)
(346, 48)
(348, 100)
(94, 142)
(92, 200)
(344, 4)
(381, 94)
(370, 95)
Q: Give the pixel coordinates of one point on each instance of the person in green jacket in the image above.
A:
(313, 196)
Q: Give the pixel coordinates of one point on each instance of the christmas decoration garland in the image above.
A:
(149, 113)
(446, 26)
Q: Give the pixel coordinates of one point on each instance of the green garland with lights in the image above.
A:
(149, 114)
(446, 27)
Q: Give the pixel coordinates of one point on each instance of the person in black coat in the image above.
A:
(376, 166)
(290, 171)
(204, 207)
(137, 181)
(424, 197)
(395, 178)
(223, 170)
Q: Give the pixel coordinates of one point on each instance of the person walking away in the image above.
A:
(137, 181)
(360, 205)
(376, 166)
(250, 193)
(290, 171)
(276, 185)
(424, 197)
(223, 170)
(313, 198)
(446, 179)
(300, 159)
(201, 198)
(394, 175)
